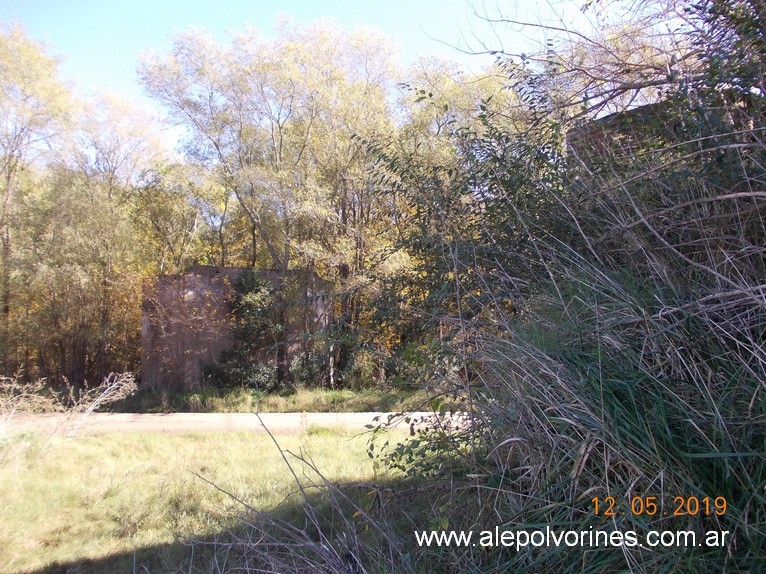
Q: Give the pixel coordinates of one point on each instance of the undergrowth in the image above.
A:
(286, 401)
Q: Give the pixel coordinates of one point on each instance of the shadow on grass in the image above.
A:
(361, 528)
(323, 528)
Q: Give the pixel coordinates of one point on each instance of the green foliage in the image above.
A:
(732, 47)
(438, 448)
(363, 372)
(253, 311)
(309, 368)
(250, 362)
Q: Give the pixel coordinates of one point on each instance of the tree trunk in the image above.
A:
(5, 305)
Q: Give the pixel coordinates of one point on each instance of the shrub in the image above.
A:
(249, 363)
(309, 368)
(364, 372)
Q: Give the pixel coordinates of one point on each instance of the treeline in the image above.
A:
(272, 172)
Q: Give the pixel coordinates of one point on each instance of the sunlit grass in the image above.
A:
(292, 401)
(87, 498)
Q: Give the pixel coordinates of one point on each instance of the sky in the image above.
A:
(100, 42)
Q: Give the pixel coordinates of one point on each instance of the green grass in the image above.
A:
(292, 401)
(132, 495)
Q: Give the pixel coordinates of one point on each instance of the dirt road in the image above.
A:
(192, 422)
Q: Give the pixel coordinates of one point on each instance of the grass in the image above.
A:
(292, 401)
(122, 500)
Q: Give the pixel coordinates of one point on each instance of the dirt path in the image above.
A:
(192, 422)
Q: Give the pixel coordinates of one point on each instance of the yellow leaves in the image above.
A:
(395, 264)
(34, 104)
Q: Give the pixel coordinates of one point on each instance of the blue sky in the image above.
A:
(100, 41)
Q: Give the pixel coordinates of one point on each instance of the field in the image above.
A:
(126, 502)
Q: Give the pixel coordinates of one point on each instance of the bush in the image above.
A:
(249, 363)
(364, 372)
(309, 369)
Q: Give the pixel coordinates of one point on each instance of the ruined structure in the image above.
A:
(598, 143)
(187, 322)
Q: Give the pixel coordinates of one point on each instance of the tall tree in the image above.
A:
(273, 120)
(34, 105)
(78, 267)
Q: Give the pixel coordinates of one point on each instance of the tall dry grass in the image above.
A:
(636, 365)
(18, 399)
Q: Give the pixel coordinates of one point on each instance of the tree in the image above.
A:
(441, 195)
(272, 120)
(77, 302)
(34, 107)
(78, 268)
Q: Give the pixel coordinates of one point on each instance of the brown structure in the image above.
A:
(649, 129)
(187, 322)
(599, 143)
